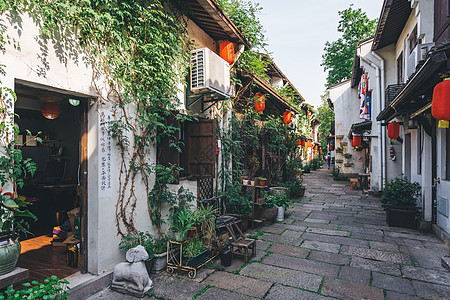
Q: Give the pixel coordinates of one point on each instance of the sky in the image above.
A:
(296, 31)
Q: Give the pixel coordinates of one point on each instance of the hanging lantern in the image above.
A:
(331, 147)
(74, 102)
(316, 147)
(356, 141)
(440, 107)
(303, 142)
(309, 114)
(353, 144)
(287, 117)
(50, 110)
(260, 102)
(393, 130)
(227, 51)
(299, 142)
(308, 144)
(320, 151)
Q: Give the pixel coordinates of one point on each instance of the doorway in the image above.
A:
(57, 191)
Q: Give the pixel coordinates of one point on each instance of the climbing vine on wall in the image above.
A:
(138, 51)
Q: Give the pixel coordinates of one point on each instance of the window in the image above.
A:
(413, 39)
(400, 68)
(447, 153)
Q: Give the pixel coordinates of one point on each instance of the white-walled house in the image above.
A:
(414, 45)
(38, 72)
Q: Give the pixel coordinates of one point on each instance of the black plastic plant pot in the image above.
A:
(193, 261)
(401, 216)
(226, 257)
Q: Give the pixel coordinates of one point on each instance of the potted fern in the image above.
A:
(399, 201)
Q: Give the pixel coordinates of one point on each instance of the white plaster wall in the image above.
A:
(276, 81)
(443, 189)
(346, 109)
(40, 62)
(423, 16)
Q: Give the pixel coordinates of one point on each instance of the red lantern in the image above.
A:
(320, 151)
(227, 51)
(331, 147)
(299, 143)
(50, 110)
(356, 141)
(260, 102)
(440, 107)
(287, 116)
(308, 144)
(315, 147)
(393, 130)
(303, 142)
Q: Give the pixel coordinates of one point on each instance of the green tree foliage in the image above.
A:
(244, 15)
(338, 57)
(326, 116)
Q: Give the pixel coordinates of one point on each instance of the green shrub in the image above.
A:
(399, 191)
(151, 244)
(276, 200)
(51, 288)
(295, 188)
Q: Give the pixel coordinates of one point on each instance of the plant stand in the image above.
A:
(257, 203)
(176, 261)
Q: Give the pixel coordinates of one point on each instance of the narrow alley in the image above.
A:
(335, 244)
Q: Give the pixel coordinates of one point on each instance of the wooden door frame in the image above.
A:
(83, 177)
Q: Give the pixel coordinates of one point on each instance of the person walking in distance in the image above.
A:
(328, 159)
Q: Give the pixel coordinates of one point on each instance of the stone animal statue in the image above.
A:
(132, 277)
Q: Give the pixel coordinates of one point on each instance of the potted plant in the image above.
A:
(237, 203)
(307, 169)
(339, 150)
(194, 252)
(399, 201)
(12, 209)
(295, 188)
(278, 199)
(181, 223)
(261, 181)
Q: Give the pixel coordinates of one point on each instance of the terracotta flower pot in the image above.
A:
(262, 182)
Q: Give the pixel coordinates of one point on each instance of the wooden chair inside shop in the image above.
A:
(240, 245)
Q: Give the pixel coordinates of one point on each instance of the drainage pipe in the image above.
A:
(380, 129)
(383, 105)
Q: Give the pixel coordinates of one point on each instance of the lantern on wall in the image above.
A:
(356, 141)
(287, 117)
(260, 102)
(50, 110)
(440, 107)
(227, 51)
(393, 130)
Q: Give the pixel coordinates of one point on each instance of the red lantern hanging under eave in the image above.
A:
(227, 51)
(393, 130)
(299, 142)
(330, 147)
(50, 110)
(303, 142)
(260, 102)
(356, 141)
(287, 117)
(440, 107)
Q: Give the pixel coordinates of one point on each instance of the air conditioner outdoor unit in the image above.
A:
(210, 73)
(423, 50)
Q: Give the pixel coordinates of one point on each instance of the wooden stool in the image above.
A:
(354, 183)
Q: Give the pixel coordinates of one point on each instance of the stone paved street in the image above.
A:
(334, 245)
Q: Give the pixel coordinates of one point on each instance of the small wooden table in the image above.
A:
(16, 275)
(363, 180)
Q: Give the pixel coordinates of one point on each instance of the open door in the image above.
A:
(441, 181)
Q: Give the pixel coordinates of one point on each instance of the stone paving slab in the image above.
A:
(431, 291)
(292, 234)
(322, 246)
(335, 240)
(332, 258)
(376, 255)
(262, 245)
(368, 237)
(378, 266)
(284, 276)
(305, 265)
(355, 275)
(214, 293)
(328, 232)
(289, 250)
(349, 290)
(278, 292)
(390, 295)
(280, 239)
(272, 229)
(392, 283)
(171, 287)
(434, 276)
(241, 284)
(294, 227)
(109, 294)
(384, 246)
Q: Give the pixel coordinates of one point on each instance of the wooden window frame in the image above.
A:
(413, 40)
